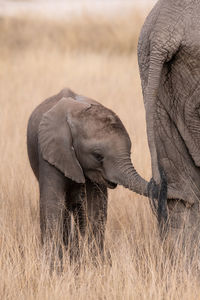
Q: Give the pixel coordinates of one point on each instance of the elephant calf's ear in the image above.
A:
(55, 142)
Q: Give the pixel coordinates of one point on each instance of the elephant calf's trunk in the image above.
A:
(129, 178)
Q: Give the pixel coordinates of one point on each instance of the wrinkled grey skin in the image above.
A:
(77, 149)
(169, 62)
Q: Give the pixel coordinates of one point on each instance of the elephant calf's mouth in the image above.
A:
(100, 179)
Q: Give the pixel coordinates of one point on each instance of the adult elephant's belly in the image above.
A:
(177, 134)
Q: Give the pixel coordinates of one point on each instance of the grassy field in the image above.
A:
(94, 57)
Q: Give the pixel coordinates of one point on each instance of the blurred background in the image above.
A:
(90, 47)
(89, 24)
(63, 8)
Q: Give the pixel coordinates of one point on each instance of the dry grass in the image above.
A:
(33, 67)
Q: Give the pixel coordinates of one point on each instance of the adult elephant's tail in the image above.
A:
(158, 200)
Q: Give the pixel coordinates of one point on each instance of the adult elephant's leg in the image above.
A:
(182, 179)
(53, 186)
(97, 216)
(184, 232)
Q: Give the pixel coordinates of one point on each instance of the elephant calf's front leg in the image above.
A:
(52, 206)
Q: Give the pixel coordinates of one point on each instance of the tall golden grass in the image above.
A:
(94, 57)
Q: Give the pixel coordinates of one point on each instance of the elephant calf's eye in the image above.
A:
(98, 157)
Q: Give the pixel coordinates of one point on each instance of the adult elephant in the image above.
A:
(169, 62)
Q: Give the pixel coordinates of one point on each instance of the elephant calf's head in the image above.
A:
(85, 139)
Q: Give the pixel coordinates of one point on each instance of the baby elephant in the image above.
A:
(77, 149)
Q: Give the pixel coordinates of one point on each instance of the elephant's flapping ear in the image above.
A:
(55, 139)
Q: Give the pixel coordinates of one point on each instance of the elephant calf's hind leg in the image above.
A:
(97, 216)
(77, 205)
